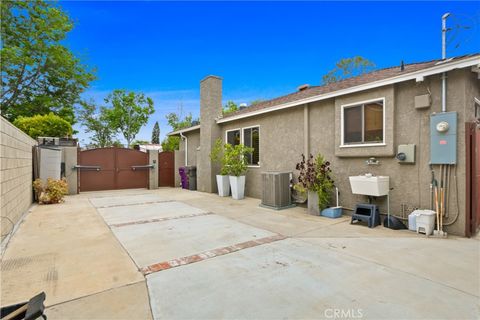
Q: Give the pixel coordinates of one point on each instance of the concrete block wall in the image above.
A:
(15, 174)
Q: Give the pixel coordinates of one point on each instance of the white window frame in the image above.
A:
(238, 129)
(243, 142)
(342, 123)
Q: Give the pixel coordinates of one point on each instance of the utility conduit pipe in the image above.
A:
(444, 56)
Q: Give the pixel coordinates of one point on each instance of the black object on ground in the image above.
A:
(393, 223)
(367, 213)
(33, 309)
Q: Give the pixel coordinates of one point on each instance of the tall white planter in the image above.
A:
(223, 185)
(237, 184)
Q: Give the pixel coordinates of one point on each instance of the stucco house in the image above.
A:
(349, 122)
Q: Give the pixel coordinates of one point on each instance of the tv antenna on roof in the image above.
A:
(444, 35)
(462, 30)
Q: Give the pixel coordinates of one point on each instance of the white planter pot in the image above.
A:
(313, 208)
(223, 185)
(237, 184)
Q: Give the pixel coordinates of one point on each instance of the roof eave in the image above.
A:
(445, 67)
(177, 132)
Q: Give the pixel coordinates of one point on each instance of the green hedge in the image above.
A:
(49, 125)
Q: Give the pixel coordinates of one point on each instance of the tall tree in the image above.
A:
(39, 74)
(129, 112)
(156, 133)
(229, 107)
(348, 67)
(96, 122)
(175, 121)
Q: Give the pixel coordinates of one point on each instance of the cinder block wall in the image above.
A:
(15, 174)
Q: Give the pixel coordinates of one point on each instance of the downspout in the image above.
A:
(444, 56)
(184, 138)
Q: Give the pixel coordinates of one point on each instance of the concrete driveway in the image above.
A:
(176, 254)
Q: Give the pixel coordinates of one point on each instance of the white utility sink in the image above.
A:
(370, 185)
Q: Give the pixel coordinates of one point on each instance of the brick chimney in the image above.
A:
(210, 110)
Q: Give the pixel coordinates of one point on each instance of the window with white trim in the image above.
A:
(251, 138)
(233, 137)
(363, 123)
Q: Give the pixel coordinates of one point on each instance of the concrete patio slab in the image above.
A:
(358, 230)
(226, 206)
(125, 200)
(295, 279)
(414, 256)
(139, 212)
(227, 261)
(160, 241)
(127, 302)
(65, 250)
(287, 223)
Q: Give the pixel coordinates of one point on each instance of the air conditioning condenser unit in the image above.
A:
(276, 193)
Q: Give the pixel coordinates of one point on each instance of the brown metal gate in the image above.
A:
(472, 144)
(112, 168)
(166, 169)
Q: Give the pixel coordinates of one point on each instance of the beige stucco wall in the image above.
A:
(192, 154)
(193, 144)
(179, 159)
(15, 174)
(282, 142)
(410, 183)
(387, 93)
(70, 158)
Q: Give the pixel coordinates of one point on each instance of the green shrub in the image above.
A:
(218, 156)
(51, 192)
(236, 160)
(48, 125)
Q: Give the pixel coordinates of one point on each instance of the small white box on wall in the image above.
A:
(422, 102)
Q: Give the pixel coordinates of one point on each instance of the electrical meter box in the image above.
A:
(443, 138)
(406, 153)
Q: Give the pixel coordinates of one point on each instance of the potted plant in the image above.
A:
(315, 180)
(236, 164)
(218, 156)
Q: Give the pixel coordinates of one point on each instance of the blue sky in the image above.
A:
(261, 49)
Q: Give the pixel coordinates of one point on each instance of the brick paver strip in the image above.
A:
(116, 225)
(132, 204)
(209, 254)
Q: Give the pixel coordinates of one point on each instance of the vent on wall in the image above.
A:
(276, 192)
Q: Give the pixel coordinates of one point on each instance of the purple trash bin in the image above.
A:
(183, 177)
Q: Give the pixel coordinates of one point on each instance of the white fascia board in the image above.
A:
(449, 66)
(174, 133)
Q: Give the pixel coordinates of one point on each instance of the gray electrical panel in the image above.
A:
(443, 138)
